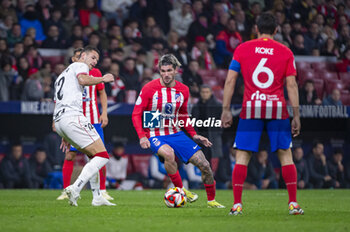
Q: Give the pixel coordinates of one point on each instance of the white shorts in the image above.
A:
(77, 130)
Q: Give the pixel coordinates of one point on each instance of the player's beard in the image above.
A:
(168, 80)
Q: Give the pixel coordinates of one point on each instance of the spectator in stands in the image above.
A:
(89, 14)
(201, 53)
(160, 11)
(155, 53)
(4, 50)
(117, 166)
(105, 65)
(308, 94)
(286, 34)
(18, 50)
(336, 169)
(333, 99)
(54, 39)
(182, 54)
(243, 27)
(115, 10)
(7, 76)
(129, 75)
(343, 40)
(319, 176)
(181, 19)
(194, 176)
(39, 167)
(329, 48)
(56, 19)
(132, 49)
(173, 39)
(31, 19)
(5, 25)
(199, 27)
(115, 32)
(156, 36)
(7, 9)
(157, 173)
(344, 65)
(58, 69)
(150, 22)
(47, 88)
(94, 41)
(51, 144)
(140, 61)
(221, 24)
(260, 173)
(298, 47)
(254, 11)
(302, 168)
(103, 33)
(15, 169)
(33, 89)
(117, 55)
(192, 79)
(138, 10)
(208, 107)
(68, 21)
(34, 58)
(77, 34)
(313, 38)
(226, 43)
(22, 66)
(117, 87)
(43, 9)
(14, 35)
(27, 42)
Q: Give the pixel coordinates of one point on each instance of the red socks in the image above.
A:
(210, 189)
(289, 174)
(238, 177)
(176, 179)
(67, 171)
(103, 178)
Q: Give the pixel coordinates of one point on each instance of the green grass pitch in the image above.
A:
(37, 210)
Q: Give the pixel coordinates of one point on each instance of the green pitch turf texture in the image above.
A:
(38, 210)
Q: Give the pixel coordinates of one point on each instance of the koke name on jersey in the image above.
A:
(262, 50)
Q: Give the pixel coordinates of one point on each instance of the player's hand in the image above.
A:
(144, 142)
(226, 118)
(296, 126)
(103, 120)
(108, 78)
(203, 140)
(65, 145)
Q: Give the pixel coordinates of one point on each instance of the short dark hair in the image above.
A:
(88, 49)
(267, 24)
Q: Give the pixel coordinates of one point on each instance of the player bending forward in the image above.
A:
(265, 65)
(168, 98)
(91, 112)
(73, 126)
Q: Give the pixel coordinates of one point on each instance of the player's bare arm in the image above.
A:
(87, 80)
(144, 143)
(199, 160)
(65, 145)
(203, 140)
(226, 116)
(103, 117)
(292, 89)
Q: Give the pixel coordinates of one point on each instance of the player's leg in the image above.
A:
(280, 138)
(82, 135)
(102, 172)
(198, 159)
(67, 170)
(170, 165)
(97, 197)
(247, 140)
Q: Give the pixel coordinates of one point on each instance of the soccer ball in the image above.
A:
(175, 198)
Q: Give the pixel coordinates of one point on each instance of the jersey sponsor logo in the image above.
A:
(265, 51)
(261, 96)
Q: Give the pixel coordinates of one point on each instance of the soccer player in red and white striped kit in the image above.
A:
(266, 65)
(91, 112)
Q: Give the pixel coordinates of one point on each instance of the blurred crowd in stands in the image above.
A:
(133, 34)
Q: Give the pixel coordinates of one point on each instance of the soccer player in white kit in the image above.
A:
(73, 126)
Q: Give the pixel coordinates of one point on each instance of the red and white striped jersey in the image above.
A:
(169, 101)
(264, 64)
(90, 104)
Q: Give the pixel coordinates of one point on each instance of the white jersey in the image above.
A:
(68, 91)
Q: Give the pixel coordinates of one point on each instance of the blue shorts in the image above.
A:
(99, 131)
(183, 146)
(249, 132)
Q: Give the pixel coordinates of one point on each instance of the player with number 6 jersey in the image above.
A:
(266, 66)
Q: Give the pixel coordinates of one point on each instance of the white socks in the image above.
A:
(89, 170)
(95, 185)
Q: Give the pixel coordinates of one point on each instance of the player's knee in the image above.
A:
(205, 167)
(168, 154)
